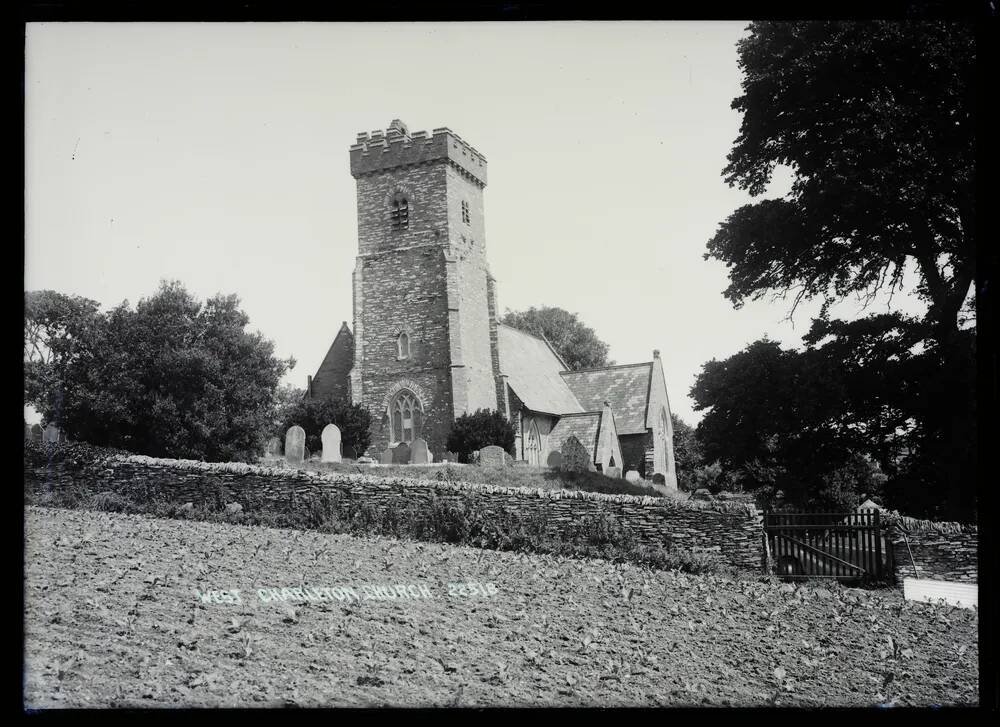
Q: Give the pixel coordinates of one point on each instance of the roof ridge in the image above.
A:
(606, 368)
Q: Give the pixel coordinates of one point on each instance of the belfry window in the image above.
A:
(399, 214)
(403, 346)
(466, 218)
(406, 417)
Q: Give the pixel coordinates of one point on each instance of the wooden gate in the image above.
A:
(842, 545)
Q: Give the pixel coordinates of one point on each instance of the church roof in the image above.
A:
(533, 372)
(626, 388)
(586, 427)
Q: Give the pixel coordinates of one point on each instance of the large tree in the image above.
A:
(876, 122)
(172, 377)
(53, 323)
(573, 340)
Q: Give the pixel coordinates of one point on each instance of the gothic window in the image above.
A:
(399, 213)
(466, 218)
(406, 417)
(403, 346)
(533, 449)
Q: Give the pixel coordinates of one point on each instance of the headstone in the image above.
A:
(331, 443)
(508, 459)
(633, 476)
(36, 433)
(576, 457)
(659, 479)
(385, 457)
(273, 447)
(419, 453)
(295, 444)
(554, 460)
(366, 460)
(450, 457)
(492, 456)
(401, 453)
(350, 452)
(613, 472)
(51, 434)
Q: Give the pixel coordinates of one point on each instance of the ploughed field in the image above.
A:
(130, 611)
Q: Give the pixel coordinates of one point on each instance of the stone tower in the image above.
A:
(425, 339)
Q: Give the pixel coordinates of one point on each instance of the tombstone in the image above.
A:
(508, 459)
(51, 434)
(613, 472)
(659, 479)
(450, 457)
(418, 452)
(554, 460)
(331, 443)
(401, 453)
(576, 457)
(295, 444)
(36, 433)
(366, 460)
(492, 456)
(350, 452)
(633, 476)
(273, 447)
(385, 457)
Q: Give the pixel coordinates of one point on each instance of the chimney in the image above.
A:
(309, 387)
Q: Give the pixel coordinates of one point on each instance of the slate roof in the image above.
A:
(533, 372)
(626, 388)
(586, 427)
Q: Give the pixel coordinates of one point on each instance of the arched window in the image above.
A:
(406, 416)
(533, 449)
(403, 346)
(399, 212)
(664, 429)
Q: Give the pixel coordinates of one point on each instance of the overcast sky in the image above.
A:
(217, 154)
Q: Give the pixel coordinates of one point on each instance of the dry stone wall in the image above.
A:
(729, 532)
(940, 551)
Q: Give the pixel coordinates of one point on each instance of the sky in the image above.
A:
(217, 155)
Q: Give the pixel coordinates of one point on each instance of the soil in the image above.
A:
(113, 619)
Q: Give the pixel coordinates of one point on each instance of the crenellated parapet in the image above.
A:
(396, 147)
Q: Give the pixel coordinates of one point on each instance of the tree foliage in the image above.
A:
(472, 432)
(573, 340)
(353, 420)
(173, 377)
(687, 452)
(876, 122)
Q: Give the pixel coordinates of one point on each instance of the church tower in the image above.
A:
(425, 336)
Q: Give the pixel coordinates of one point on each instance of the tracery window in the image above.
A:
(406, 417)
(533, 449)
(399, 213)
(403, 346)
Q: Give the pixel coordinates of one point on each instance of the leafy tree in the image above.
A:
(574, 341)
(875, 120)
(687, 452)
(472, 432)
(174, 377)
(286, 399)
(313, 415)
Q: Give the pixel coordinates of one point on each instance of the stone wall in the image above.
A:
(940, 551)
(731, 533)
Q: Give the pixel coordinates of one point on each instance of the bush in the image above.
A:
(313, 415)
(472, 432)
(107, 502)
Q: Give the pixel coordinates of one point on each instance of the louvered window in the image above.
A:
(399, 215)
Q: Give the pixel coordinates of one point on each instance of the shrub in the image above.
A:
(107, 502)
(472, 432)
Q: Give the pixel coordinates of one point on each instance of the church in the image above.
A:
(426, 346)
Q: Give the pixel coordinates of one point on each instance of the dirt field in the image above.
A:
(113, 619)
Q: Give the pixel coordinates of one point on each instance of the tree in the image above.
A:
(353, 420)
(875, 120)
(574, 341)
(172, 378)
(286, 399)
(472, 432)
(687, 451)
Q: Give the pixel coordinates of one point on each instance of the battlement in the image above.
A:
(396, 147)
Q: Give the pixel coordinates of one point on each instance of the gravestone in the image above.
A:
(36, 433)
(492, 456)
(385, 457)
(554, 460)
(576, 457)
(331, 443)
(450, 457)
(401, 453)
(51, 434)
(508, 459)
(659, 479)
(632, 476)
(613, 472)
(350, 452)
(273, 448)
(419, 453)
(295, 444)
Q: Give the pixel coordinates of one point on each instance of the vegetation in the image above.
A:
(572, 339)
(172, 377)
(313, 415)
(472, 432)
(876, 122)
